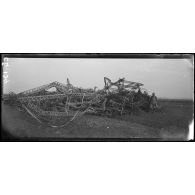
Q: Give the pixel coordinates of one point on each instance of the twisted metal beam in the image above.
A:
(56, 96)
(61, 87)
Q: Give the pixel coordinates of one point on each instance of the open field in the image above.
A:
(171, 123)
(174, 114)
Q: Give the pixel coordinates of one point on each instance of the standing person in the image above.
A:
(146, 101)
(153, 102)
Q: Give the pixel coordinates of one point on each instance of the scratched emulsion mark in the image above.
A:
(5, 65)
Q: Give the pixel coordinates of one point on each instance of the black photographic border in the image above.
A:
(6, 137)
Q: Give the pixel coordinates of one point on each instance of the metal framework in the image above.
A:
(69, 102)
(59, 86)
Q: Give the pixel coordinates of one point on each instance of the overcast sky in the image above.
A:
(168, 78)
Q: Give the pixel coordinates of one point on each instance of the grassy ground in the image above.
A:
(171, 123)
(173, 114)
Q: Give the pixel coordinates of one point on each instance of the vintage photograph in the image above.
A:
(97, 97)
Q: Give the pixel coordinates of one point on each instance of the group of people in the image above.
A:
(150, 102)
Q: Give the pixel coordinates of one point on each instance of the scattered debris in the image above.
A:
(60, 107)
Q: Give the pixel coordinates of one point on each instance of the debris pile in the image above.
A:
(59, 107)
